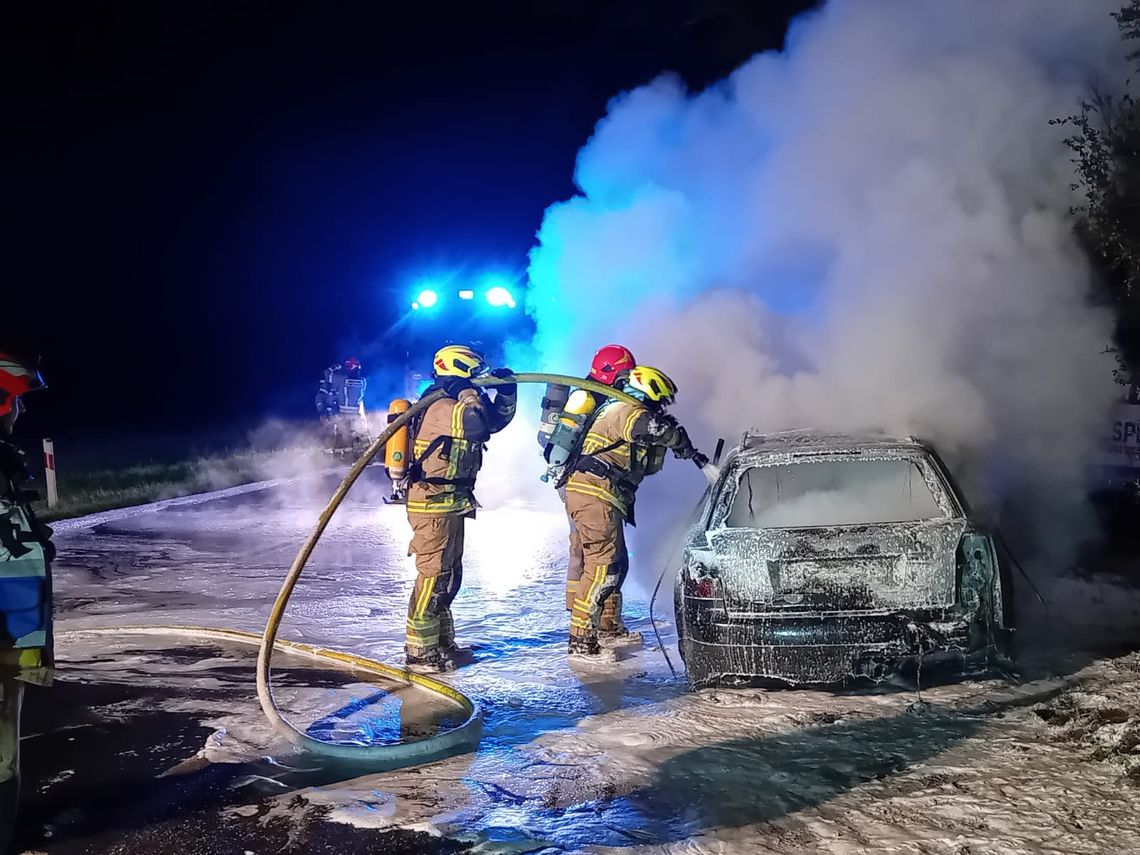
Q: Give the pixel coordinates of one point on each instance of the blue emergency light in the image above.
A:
(499, 296)
(495, 290)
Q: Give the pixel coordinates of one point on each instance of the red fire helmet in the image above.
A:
(610, 362)
(16, 378)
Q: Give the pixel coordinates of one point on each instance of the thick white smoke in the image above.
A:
(869, 229)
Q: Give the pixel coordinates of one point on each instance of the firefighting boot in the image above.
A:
(417, 659)
(456, 657)
(587, 651)
(619, 637)
(451, 655)
(584, 645)
(611, 628)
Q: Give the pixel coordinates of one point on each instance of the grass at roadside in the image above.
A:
(90, 491)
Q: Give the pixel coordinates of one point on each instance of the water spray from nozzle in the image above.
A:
(709, 469)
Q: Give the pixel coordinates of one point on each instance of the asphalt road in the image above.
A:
(151, 744)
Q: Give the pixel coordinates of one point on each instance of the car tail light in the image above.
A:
(704, 588)
(703, 583)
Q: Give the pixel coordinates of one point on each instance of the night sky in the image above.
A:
(210, 201)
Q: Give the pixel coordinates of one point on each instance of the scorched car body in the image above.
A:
(818, 559)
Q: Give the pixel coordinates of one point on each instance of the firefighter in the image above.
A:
(625, 443)
(340, 405)
(26, 552)
(447, 452)
(611, 365)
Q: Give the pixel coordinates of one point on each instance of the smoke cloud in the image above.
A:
(869, 229)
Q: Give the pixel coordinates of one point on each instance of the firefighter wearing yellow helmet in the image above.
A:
(447, 451)
(624, 443)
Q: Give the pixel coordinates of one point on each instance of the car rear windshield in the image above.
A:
(817, 493)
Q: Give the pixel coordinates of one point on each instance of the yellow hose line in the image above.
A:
(351, 661)
(467, 733)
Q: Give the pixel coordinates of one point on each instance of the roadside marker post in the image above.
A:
(49, 474)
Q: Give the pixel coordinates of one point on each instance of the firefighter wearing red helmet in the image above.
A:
(611, 365)
(624, 443)
(26, 552)
(340, 407)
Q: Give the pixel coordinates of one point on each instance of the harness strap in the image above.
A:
(443, 444)
(591, 464)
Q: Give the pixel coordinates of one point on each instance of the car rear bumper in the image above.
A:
(811, 648)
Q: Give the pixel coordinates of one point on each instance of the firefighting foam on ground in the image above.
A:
(574, 757)
(793, 568)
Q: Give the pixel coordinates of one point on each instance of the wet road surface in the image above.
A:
(157, 745)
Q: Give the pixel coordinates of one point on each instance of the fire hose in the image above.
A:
(464, 735)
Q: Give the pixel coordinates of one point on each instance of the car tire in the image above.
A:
(679, 622)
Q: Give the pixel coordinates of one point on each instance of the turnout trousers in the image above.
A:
(437, 543)
(600, 528)
(610, 621)
(11, 699)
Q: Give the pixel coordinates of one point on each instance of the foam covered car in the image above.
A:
(819, 559)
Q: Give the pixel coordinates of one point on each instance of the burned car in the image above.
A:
(821, 559)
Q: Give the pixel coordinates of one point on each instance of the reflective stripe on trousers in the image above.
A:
(610, 620)
(437, 543)
(600, 528)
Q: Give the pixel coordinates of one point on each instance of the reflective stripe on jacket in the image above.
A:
(448, 450)
(619, 438)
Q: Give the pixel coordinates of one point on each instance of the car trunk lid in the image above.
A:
(877, 567)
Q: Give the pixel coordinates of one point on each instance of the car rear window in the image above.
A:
(818, 493)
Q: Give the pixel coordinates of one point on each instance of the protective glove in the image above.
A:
(506, 391)
(701, 460)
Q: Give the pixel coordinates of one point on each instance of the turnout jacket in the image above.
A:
(26, 553)
(447, 446)
(625, 443)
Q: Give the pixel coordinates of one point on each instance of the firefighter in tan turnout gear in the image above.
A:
(624, 442)
(447, 452)
(564, 417)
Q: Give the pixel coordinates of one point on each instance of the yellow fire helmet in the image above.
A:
(455, 360)
(653, 383)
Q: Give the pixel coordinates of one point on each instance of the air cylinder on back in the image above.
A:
(396, 451)
(552, 403)
(571, 423)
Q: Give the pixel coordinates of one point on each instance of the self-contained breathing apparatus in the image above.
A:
(553, 402)
(565, 451)
(405, 464)
(396, 454)
(567, 432)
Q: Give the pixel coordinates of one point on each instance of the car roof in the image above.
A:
(757, 449)
(811, 442)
